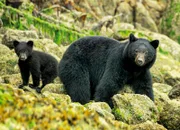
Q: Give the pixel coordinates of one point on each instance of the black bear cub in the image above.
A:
(97, 67)
(40, 65)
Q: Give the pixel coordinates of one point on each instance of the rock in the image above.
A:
(48, 46)
(175, 92)
(101, 108)
(54, 88)
(161, 99)
(123, 26)
(8, 61)
(166, 70)
(12, 35)
(104, 123)
(13, 79)
(170, 21)
(163, 88)
(124, 10)
(60, 98)
(134, 108)
(169, 117)
(143, 17)
(148, 125)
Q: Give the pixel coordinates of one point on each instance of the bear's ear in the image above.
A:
(155, 43)
(15, 43)
(30, 43)
(132, 38)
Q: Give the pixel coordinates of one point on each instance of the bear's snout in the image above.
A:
(23, 56)
(140, 60)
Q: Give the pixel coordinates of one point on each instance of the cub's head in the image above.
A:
(142, 51)
(23, 49)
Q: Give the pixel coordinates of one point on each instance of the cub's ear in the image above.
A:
(132, 38)
(15, 43)
(155, 43)
(30, 43)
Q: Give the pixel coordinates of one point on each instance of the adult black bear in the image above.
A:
(98, 67)
(39, 64)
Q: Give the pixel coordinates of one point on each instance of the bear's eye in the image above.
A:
(136, 51)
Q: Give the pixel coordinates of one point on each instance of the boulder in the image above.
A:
(169, 117)
(8, 61)
(12, 35)
(175, 92)
(101, 108)
(134, 108)
(60, 98)
(54, 88)
(170, 21)
(148, 125)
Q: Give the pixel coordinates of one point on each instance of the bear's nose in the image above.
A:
(140, 62)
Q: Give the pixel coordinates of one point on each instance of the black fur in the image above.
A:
(39, 64)
(98, 67)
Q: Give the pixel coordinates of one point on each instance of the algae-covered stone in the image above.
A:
(8, 61)
(163, 88)
(170, 21)
(134, 108)
(175, 92)
(148, 125)
(12, 35)
(101, 108)
(169, 117)
(13, 79)
(166, 70)
(48, 46)
(60, 98)
(54, 88)
(161, 99)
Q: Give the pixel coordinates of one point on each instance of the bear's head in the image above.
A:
(23, 49)
(141, 51)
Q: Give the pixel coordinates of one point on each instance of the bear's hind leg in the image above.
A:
(75, 78)
(45, 80)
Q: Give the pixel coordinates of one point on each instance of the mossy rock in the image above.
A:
(134, 108)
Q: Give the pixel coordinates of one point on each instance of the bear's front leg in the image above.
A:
(35, 77)
(143, 85)
(24, 73)
(106, 90)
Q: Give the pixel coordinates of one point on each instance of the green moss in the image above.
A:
(163, 51)
(172, 33)
(169, 21)
(48, 10)
(58, 32)
(5, 96)
(122, 115)
(125, 34)
(178, 39)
